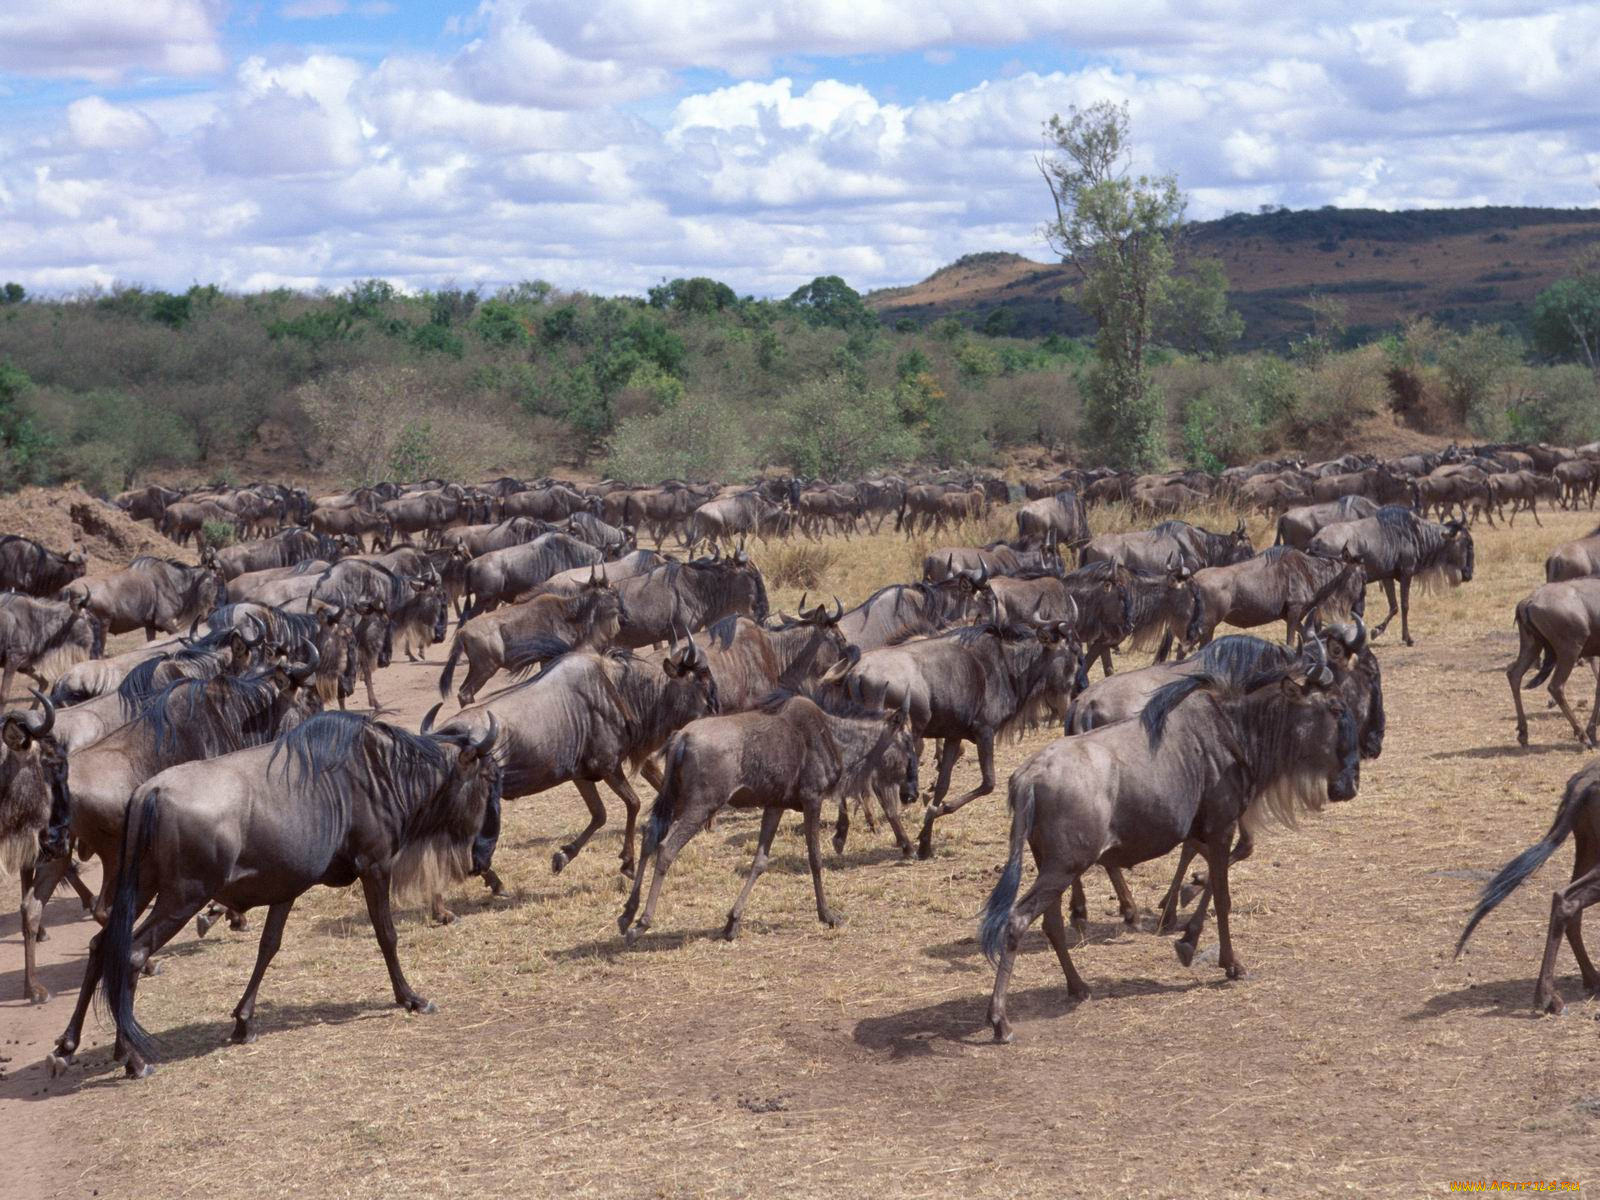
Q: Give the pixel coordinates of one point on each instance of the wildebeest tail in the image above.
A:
(1529, 629)
(666, 799)
(447, 677)
(1510, 876)
(116, 977)
(997, 912)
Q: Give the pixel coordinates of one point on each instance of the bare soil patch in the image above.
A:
(1358, 1057)
(62, 517)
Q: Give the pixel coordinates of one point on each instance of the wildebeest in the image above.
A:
(502, 575)
(997, 558)
(30, 804)
(1298, 526)
(1523, 489)
(677, 597)
(147, 503)
(750, 660)
(1577, 478)
(1560, 624)
(356, 522)
(339, 799)
(44, 637)
(588, 719)
(1200, 760)
(936, 506)
(1279, 584)
(902, 610)
(732, 518)
(153, 594)
(516, 531)
(1152, 550)
(1396, 545)
(1577, 816)
(786, 755)
(1574, 560)
(515, 638)
(553, 503)
(283, 549)
(28, 567)
(614, 539)
(974, 683)
(185, 519)
(1051, 523)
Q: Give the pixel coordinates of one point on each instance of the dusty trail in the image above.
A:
(1358, 1057)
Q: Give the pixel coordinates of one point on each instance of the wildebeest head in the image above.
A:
(599, 609)
(689, 664)
(1239, 546)
(32, 805)
(1320, 728)
(1360, 681)
(1458, 555)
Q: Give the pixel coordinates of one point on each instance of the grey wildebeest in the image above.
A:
(340, 799)
(1558, 623)
(502, 575)
(997, 558)
(30, 806)
(750, 660)
(45, 637)
(1200, 760)
(1524, 490)
(588, 719)
(513, 638)
(1152, 550)
(786, 755)
(974, 683)
(1297, 526)
(153, 594)
(1574, 560)
(283, 549)
(1053, 522)
(728, 519)
(28, 567)
(1235, 660)
(354, 521)
(1578, 816)
(1279, 584)
(901, 610)
(1397, 546)
(515, 531)
(678, 597)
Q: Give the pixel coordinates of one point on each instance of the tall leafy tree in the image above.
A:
(1566, 316)
(1116, 230)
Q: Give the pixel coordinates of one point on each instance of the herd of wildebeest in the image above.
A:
(215, 770)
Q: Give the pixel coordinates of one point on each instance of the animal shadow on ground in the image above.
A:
(61, 978)
(1511, 750)
(914, 1032)
(197, 1039)
(1505, 998)
(613, 948)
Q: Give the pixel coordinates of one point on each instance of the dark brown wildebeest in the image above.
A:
(972, 684)
(354, 521)
(588, 719)
(147, 503)
(571, 582)
(500, 576)
(1279, 584)
(1164, 497)
(1523, 489)
(1160, 604)
(186, 721)
(522, 635)
(665, 509)
(836, 509)
(286, 548)
(1270, 493)
(554, 503)
(31, 807)
(1201, 759)
(431, 512)
(341, 798)
(678, 597)
(1560, 623)
(184, 519)
(1578, 478)
(45, 637)
(787, 755)
(27, 567)
(1235, 659)
(1152, 550)
(1298, 526)
(925, 506)
(1577, 816)
(881, 498)
(1396, 545)
(1378, 484)
(1574, 560)
(902, 610)
(153, 594)
(327, 635)
(1108, 489)
(1097, 601)
(1456, 486)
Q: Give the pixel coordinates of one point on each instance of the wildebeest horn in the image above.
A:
(1317, 671)
(249, 643)
(40, 724)
(427, 717)
(194, 627)
(491, 735)
(803, 597)
(838, 611)
(302, 671)
(1072, 611)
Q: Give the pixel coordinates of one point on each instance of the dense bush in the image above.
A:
(697, 438)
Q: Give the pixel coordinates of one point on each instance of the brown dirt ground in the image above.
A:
(62, 517)
(1358, 1057)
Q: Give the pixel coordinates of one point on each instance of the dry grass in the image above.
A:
(1359, 1057)
(806, 565)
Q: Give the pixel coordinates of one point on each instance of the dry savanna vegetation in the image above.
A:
(1357, 1057)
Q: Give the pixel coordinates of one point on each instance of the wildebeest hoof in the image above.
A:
(1522, 737)
(444, 917)
(558, 860)
(37, 994)
(242, 1034)
(1555, 1006)
(203, 924)
(1185, 951)
(1080, 926)
(630, 935)
(833, 921)
(240, 924)
(139, 1070)
(40, 935)
(730, 931)
(418, 1005)
(1237, 971)
(1003, 1034)
(838, 843)
(150, 969)
(58, 1063)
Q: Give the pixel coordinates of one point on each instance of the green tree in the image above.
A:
(829, 300)
(1566, 316)
(697, 295)
(1196, 317)
(1116, 229)
(999, 322)
(1473, 364)
(24, 450)
(835, 430)
(13, 293)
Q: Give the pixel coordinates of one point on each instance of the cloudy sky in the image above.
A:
(607, 144)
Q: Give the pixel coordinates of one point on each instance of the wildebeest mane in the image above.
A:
(210, 717)
(323, 755)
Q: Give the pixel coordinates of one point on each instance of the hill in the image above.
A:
(1460, 266)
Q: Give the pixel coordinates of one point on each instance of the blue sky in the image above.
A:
(610, 143)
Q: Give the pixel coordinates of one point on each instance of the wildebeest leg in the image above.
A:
(1558, 683)
(618, 783)
(891, 813)
(1405, 610)
(366, 678)
(244, 1014)
(841, 827)
(597, 819)
(1044, 894)
(1565, 905)
(1173, 900)
(66, 1047)
(1586, 863)
(985, 740)
(1119, 884)
(1186, 945)
(1056, 930)
(1527, 654)
(9, 677)
(813, 822)
(1394, 608)
(677, 837)
(758, 867)
(171, 913)
(1217, 857)
(32, 990)
(375, 888)
(651, 770)
(1080, 910)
